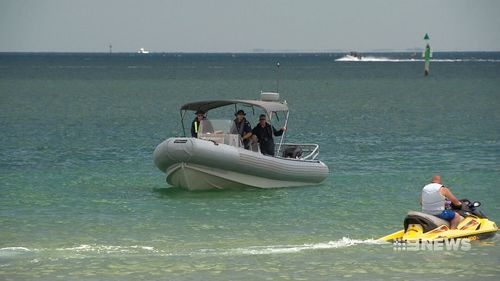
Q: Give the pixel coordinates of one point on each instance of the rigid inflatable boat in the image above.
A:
(217, 159)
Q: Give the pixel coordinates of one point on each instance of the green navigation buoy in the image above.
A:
(427, 55)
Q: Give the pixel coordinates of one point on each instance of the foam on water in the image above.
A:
(15, 252)
(286, 249)
(15, 249)
(83, 250)
(140, 249)
(109, 249)
(386, 59)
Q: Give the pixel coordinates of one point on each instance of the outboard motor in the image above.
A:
(293, 151)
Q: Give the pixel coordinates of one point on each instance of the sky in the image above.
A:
(247, 25)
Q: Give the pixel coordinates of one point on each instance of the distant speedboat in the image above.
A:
(142, 51)
(218, 160)
(357, 57)
(352, 56)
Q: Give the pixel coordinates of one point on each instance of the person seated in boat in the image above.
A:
(265, 132)
(195, 126)
(243, 128)
(434, 202)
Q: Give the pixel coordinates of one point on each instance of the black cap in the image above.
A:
(240, 112)
(199, 112)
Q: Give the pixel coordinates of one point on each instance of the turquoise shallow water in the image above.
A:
(80, 198)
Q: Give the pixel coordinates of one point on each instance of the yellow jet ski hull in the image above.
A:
(471, 227)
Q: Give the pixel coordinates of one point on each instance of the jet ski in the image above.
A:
(424, 227)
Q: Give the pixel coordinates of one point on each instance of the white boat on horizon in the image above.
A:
(216, 159)
(352, 56)
(142, 51)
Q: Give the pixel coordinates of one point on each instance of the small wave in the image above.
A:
(14, 251)
(109, 249)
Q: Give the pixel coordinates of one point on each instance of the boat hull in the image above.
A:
(196, 164)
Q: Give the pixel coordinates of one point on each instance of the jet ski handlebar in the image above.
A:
(469, 207)
(470, 204)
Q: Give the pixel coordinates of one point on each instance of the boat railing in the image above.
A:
(301, 151)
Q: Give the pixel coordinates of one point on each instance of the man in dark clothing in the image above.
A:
(195, 126)
(243, 128)
(264, 132)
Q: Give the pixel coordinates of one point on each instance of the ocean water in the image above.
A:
(80, 197)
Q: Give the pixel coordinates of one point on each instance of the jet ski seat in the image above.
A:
(429, 222)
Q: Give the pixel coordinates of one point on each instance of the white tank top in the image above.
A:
(433, 201)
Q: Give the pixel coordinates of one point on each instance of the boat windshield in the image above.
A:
(220, 131)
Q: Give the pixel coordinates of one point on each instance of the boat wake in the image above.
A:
(287, 249)
(386, 59)
(98, 250)
(363, 59)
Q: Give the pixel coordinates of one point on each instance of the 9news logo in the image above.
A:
(433, 245)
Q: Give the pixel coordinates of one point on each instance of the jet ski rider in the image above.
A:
(434, 199)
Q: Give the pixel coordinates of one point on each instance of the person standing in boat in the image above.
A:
(243, 128)
(265, 132)
(195, 126)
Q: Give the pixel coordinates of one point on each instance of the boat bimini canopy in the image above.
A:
(268, 106)
(269, 102)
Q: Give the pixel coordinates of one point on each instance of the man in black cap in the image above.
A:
(243, 128)
(264, 132)
(195, 126)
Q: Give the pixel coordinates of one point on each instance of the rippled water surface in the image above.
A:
(80, 198)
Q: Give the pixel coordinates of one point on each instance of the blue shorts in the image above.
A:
(447, 215)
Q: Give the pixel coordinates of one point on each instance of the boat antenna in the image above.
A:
(278, 77)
